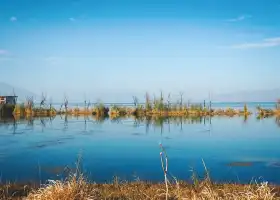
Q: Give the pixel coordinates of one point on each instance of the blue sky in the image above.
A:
(112, 49)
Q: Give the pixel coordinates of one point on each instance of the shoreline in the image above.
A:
(116, 111)
(79, 188)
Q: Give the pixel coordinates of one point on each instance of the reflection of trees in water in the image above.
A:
(30, 122)
(277, 120)
(10, 124)
(65, 128)
(116, 120)
(44, 121)
(136, 122)
(51, 119)
(162, 122)
(85, 126)
(14, 125)
(100, 119)
(43, 124)
(245, 119)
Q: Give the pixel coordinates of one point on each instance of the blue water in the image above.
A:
(129, 148)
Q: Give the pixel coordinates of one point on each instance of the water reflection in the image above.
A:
(277, 120)
(161, 122)
(150, 123)
(240, 164)
(116, 141)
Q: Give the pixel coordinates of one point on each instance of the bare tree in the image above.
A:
(30, 102)
(181, 99)
(161, 100)
(50, 100)
(14, 94)
(169, 101)
(147, 97)
(161, 95)
(65, 103)
(135, 101)
(43, 100)
(88, 105)
(210, 101)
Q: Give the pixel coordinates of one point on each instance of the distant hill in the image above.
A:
(6, 89)
(249, 96)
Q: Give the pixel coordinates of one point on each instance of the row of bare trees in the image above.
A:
(30, 102)
(43, 103)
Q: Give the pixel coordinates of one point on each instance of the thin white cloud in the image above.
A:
(72, 19)
(13, 19)
(265, 43)
(239, 18)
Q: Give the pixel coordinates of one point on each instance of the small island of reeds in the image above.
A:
(151, 107)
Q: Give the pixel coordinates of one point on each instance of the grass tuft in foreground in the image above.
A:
(73, 188)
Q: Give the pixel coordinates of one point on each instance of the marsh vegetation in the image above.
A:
(156, 106)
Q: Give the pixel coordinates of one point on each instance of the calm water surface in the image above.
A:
(233, 149)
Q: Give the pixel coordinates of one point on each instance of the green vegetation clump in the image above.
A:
(119, 111)
(100, 109)
(158, 106)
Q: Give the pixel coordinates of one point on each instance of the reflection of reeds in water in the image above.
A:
(150, 122)
(277, 120)
(161, 122)
(263, 113)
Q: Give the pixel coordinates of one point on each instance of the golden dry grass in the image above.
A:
(128, 111)
(75, 188)
(79, 189)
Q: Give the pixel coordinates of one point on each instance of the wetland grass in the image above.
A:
(100, 110)
(157, 106)
(264, 112)
(77, 188)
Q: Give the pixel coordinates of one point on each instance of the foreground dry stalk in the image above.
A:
(164, 169)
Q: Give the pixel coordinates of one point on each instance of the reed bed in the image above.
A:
(158, 106)
(262, 112)
(78, 188)
(29, 110)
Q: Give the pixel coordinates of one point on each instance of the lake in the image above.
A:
(233, 149)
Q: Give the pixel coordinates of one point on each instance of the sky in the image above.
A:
(114, 49)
